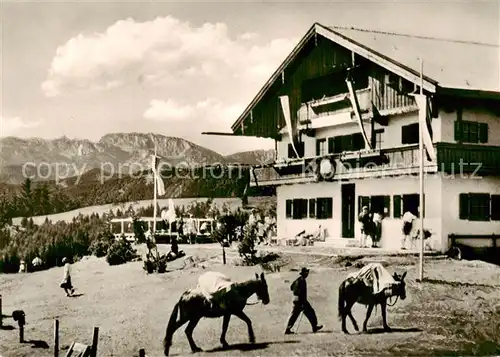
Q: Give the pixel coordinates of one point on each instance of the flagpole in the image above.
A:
(155, 193)
(421, 200)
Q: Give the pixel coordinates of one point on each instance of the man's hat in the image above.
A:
(304, 271)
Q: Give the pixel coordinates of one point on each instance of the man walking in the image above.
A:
(300, 303)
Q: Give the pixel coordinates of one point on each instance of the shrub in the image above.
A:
(246, 247)
(120, 252)
(100, 246)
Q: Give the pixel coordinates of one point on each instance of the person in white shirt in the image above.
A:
(408, 219)
(66, 282)
(377, 229)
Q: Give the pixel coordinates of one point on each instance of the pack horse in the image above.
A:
(215, 296)
(372, 285)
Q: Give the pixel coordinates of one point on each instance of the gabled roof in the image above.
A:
(451, 63)
(447, 64)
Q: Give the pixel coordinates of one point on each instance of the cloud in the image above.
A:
(161, 49)
(10, 126)
(206, 113)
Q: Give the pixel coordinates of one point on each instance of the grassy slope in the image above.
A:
(131, 310)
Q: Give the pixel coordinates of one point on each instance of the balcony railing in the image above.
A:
(451, 158)
(365, 163)
(462, 158)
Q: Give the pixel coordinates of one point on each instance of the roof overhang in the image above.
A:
(469, 93)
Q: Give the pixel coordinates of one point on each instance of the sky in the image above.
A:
(84, 69)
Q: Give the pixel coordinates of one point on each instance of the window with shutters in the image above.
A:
(409, 134)
(380, 204)
(288, 209)
(312, 208)
(324, 208)
(474, 206)
(471, 132)
(495, 208)
(299, 208)
(321, 147)
(404, 203)
(362, 202)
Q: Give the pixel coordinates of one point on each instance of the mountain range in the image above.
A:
(114, 154)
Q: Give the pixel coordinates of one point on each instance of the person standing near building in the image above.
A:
(301, 304)
(366, 222)
(66, 282)
(377, 229)
(408, 219)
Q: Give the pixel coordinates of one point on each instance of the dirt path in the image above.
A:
(131, 309)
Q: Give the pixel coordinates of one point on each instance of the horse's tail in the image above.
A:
(171, 327)
(341, 302)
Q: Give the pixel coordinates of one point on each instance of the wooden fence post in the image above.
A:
(142, 352)
(1, 313)
(56, 338)
(95, 338)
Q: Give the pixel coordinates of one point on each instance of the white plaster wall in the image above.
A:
(477, 115)
(391, 227)
(290, 227)
(391, 136)
(453, 185)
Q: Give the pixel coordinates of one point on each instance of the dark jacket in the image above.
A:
(299, 288)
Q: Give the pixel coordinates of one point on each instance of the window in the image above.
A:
(378, 139)
(471, 132)
(351, 142)
(299, 208)
(300, 149)
(474, 206)
(376, 204)
(324, 208)
(409, 134)
(289, 206)
(321, 147)
(404, 203)
(312, 208)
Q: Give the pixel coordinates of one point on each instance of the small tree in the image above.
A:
(246, 247)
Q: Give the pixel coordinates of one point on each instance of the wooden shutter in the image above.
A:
(483, 133)
(312, 208)
(331, 145)
(288, 209)
(495, 208)
(397, 206)
(303, 209)
(318, 146)
(329, 207)
(338, 144)
(363, 201)
(291, 153)
(463, 211)
(458, 130)
(387, 206)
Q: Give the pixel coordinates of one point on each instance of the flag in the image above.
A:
(425, 123)
(285, 106)
(160, 186)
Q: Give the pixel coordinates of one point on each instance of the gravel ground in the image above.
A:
(457, 312)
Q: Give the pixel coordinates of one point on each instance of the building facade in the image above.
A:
(344, 113)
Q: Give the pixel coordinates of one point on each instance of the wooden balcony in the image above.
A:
(349, 165)
(467, 159)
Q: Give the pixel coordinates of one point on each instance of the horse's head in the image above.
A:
(400, 286)
(262, 291)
